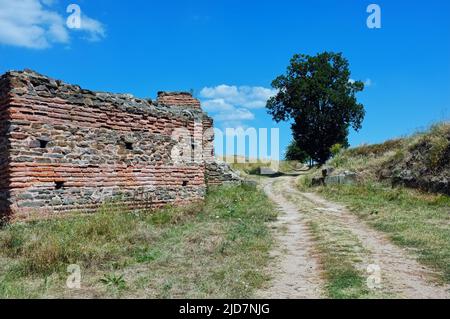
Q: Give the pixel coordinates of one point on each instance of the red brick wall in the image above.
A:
(178, 99)
(4, 149)
(67, 148)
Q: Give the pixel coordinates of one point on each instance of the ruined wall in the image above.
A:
(220, 173)
(4, 148)
(66, 148)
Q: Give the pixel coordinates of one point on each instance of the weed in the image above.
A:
(114, 281)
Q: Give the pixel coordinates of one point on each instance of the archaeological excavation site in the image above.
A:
(67, 149)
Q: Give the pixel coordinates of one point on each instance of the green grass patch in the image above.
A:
(412, 219)
(341, 254)
(253, 167)
(343, 279)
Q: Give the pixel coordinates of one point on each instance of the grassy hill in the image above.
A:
(419, 161)
(401, 189)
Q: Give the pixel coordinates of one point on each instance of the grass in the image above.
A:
(344, 280)
(426, 151)
(412, 219)
(114, 281)
(439, 144)
(341, 254)
(215, 249)
(249, 168)
(252, 166)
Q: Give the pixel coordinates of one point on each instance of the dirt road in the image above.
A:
(298, 274)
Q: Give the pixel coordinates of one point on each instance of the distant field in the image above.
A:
(252, 166)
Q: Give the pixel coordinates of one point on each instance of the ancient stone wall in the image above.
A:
(4, 149)
(220, 173)
(64, 148)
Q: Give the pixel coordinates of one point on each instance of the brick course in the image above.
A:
(64, 148)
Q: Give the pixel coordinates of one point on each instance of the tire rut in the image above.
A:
(402, 274)
(297, 274)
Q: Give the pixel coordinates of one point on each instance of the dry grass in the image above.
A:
(216, 249)
(252, 168)
(376, 149)
(411, 218)
(430, 148)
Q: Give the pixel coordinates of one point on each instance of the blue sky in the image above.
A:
(228, 52)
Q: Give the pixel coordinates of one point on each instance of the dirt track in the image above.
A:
(297, 272)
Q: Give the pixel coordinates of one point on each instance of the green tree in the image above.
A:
(295, 153)
(318, 95)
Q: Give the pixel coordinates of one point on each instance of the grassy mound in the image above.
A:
(420, 161)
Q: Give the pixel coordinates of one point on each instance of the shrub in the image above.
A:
(438, 149)
(336, 149)
(114, 281)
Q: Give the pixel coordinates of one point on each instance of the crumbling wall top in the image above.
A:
(184, 99)
(30, 84)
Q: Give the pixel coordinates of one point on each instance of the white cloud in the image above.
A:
(26, 23)
(217, 105)
(33, 24)
(235, 115)
(231, 104)
(93, 28)
(251, 97)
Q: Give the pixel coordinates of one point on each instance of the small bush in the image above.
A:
(114, 281)
(438, 150)
(336, 149)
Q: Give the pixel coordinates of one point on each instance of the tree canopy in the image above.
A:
(318, 94)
